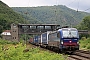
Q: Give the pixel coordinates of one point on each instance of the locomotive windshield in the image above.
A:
(70, 34)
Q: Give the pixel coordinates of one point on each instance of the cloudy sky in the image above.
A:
(82, 5)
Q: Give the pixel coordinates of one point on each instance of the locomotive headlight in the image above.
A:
(61, 42)
(77, 42)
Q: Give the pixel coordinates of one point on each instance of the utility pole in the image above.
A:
(25, 30)
(56, 17)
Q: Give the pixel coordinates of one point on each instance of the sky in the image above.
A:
(80, 5)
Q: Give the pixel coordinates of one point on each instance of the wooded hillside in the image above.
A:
(8, 16)
(51, 14)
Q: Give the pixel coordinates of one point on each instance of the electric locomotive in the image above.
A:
(65, 39)
(69, 39)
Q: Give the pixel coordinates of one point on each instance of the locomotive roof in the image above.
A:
(67, 29)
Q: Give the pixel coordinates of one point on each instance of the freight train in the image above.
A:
(65, 39)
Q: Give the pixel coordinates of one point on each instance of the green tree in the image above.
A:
(59, 14)
(85, 24)
(8, 16)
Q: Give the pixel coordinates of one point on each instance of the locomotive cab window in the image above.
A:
(69, 34)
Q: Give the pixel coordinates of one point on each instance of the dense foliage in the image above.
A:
(51, 14)
(85, 24)
(8, 16)
(20, 52)
(4, 42)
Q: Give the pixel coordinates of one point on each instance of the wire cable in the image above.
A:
(71, 2)
(87, 9)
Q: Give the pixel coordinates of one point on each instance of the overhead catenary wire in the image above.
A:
(25, 30)
(71, 2)
(87, 9)
(56, 9)
(78, 5)
(56, 12)
(76, 10)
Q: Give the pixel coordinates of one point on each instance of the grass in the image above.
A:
(17, 51)
(85, 43)
(3, 42)
(11, 51)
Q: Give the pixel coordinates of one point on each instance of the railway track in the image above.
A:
(80, 55)
(41, 48)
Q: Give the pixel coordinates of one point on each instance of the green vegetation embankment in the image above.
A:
(18, 51)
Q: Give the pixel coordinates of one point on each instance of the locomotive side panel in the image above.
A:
(53, 40)
(44, 38)
(54, 43)
(39, 39)
(36, 39)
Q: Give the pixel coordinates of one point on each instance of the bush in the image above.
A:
(8, 42)
(85, 43)
(20, 52)
(88, 47)
(33, 54)
(83, 38)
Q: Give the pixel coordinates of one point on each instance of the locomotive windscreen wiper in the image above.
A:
(71, 35)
